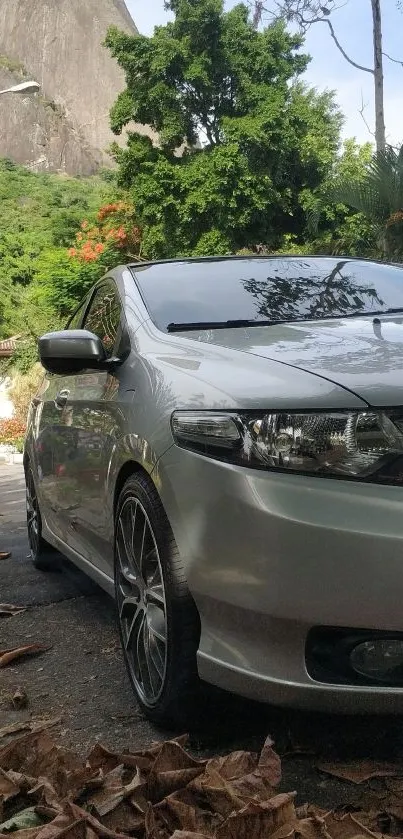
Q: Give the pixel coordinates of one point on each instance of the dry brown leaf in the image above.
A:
(7, 656)
(172, 757)
(114, 791)
(28, 725)
(188, 834)
(230, 782)
(312, 828)
(172, 769)
(232, 766)
(111, 792)
(102, 758)
(217, 793)
(145, 759)
(258, 820)
(37, 755)
(151, 828)
(45, 795)
(345, 826)
(9, 609)
(182, 811)
(26, 833)
(270, 764)
(164, 783)
(125, 817)
(307, 828)
(306, 811)
(9, 787)
(96, 825)
(252, 786)
(64, 825)
(285, 831)
(359, 771)
(73, 821)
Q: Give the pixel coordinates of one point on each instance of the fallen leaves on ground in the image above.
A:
(7, 656)
(33, 725)
(163, 792)
(359, 771)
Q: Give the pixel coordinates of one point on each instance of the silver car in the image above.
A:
(219, 443)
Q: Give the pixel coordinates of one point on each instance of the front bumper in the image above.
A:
(270, 556)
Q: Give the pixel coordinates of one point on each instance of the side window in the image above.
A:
(104, 316)
(76, 319)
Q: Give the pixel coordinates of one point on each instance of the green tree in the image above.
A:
(377, 194)
(241, 139)
(333, 226)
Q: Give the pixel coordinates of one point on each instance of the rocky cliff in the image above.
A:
(58, 43)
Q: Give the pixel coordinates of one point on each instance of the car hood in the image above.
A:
(363, 354)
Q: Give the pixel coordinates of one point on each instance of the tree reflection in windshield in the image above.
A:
(306, 295)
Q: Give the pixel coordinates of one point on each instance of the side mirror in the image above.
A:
(71, 350)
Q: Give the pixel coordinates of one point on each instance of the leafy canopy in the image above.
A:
(240, 137)
(376, 193)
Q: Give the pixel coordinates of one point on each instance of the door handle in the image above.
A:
(62, 398)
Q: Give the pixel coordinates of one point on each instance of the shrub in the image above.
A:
(12, 433)
(23, 388)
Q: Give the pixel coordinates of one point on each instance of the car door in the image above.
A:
(92, 421)
(53, 439)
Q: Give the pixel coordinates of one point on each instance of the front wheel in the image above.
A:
(158, 620)
(43, 556)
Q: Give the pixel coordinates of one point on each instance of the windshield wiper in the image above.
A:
(219, 324)
(239, 323)
(389, 312)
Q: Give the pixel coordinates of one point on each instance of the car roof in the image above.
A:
(192, 260)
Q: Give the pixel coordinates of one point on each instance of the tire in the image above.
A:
(44, 556)
(159, 623)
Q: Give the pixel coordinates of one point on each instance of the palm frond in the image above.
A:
(385, 172)
(378, 194)
(362, 196)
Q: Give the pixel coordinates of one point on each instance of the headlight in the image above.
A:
(350, 444)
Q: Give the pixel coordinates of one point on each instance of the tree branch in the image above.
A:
(287, 11)
(361, 112)
(395, 60)
(339, 46)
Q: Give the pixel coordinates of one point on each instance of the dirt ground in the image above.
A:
(82, 679)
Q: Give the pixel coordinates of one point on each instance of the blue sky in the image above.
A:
(328, 69)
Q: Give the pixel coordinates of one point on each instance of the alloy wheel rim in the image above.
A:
(32, 515)
(141, 601)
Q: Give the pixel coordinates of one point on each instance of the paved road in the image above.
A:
(83, 678)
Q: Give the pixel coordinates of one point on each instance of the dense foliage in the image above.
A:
(254, 142)
(12, 433)
(39, 215)
(377, 194)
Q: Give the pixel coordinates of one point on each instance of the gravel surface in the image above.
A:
(82, 678)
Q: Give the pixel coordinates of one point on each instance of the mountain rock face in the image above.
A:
(58, 43)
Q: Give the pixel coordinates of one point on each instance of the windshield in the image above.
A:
(262, 289)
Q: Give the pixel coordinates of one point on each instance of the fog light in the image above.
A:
(379, 660)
